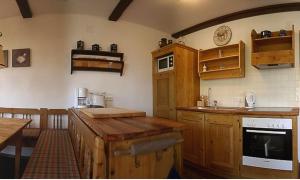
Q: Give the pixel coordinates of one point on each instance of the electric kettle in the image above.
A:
(250, 100)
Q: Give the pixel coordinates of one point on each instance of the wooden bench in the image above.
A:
(53, 156)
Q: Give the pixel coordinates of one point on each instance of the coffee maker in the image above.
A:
(81, 97)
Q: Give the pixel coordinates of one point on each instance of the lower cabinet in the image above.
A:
(212, 141)
(193, 145)
(222, 144)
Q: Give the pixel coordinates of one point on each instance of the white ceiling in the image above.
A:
(166, 15)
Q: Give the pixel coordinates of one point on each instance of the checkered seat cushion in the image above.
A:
(53, 157)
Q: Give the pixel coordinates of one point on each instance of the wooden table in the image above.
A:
(11, 133)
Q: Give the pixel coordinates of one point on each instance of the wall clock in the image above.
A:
(222, 35)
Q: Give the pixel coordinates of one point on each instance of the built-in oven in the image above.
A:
(165, 63)
(267, 143)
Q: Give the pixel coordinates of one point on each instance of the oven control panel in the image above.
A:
(269, 123)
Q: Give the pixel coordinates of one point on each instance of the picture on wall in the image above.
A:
(5, 52)
(21, 57)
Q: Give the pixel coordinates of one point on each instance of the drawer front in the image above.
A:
(221, 118)
(190, 116)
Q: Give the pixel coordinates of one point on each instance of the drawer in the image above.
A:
(190, 115)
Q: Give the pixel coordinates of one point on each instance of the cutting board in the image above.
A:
(111, 113)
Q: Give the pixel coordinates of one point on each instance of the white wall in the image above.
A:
(48, 82)
(273, 88)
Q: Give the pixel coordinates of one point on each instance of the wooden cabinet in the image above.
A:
(222, 62)
(222, 144)
(277, 51)
(193, 145)
(212, 141)
(178, 87)
(163, 84)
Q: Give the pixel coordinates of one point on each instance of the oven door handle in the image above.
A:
(265, 132)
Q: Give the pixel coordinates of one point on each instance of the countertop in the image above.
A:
(115, 129)
(272, 111)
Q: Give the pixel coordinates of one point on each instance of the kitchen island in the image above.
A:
(132, 146)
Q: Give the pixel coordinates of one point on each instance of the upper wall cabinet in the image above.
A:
(222, 62)
(276, 51)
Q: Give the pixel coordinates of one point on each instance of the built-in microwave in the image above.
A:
(165, 63)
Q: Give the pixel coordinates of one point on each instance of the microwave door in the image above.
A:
(163, 64)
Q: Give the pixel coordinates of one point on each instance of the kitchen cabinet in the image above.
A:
(178, 86)
(222, 139)
(222, 62)
(219, 133)
(277, 51)
(163, 84)
(193, 145)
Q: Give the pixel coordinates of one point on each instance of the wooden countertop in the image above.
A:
(271, 111)
(115, 129)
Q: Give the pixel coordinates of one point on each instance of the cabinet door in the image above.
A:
(222, 153)
(163, 95)
(193, 145)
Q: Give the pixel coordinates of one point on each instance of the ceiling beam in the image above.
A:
(119, 10)
(24, 8)
(239, 15)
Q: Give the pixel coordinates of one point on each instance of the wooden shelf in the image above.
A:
(218, 70)
(281, 38)
(273, 52)
(87, 60)
(230, 65)
(219, 58)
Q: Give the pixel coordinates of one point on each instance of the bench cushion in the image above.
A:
(53, 157)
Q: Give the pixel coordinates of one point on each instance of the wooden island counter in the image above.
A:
(120, 145)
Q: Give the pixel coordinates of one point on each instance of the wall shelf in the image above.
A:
(88, 60)
(222, 62)
(273, 52)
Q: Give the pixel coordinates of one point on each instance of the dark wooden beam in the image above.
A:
(239, 15)
(119, 10)
(24, 8)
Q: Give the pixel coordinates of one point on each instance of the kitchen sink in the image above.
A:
(219, 108)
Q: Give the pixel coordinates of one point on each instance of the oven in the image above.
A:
(267, 143)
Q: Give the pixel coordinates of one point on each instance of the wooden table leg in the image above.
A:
(18, 143)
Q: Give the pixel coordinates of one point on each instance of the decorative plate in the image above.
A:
(222, 35)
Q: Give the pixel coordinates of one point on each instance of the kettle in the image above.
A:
(250, 100)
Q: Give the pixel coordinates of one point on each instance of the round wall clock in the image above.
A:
(222, 35)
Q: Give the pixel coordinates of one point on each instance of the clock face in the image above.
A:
(222, 35)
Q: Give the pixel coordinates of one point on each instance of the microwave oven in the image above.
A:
(165, 63)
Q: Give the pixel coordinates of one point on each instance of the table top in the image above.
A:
(9, 127)
(114, 129)
(112, 112)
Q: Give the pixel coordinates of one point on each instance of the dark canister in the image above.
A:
(95, 47)
(114, 48)
(164, 42)
(265, 34)
(80, 45)
(282, 32)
